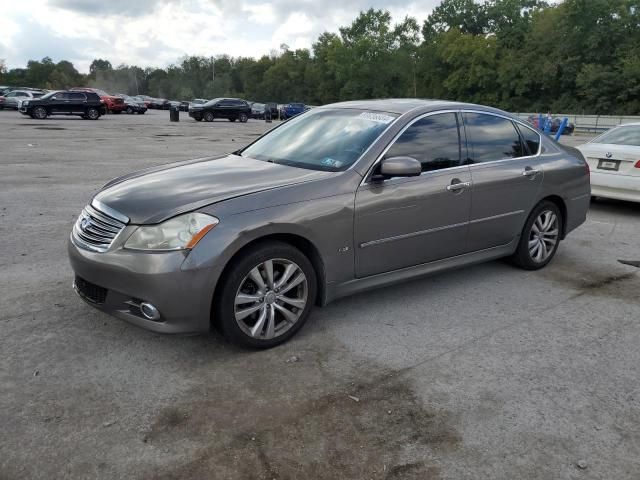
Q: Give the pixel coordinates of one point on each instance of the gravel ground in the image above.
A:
(485, 372)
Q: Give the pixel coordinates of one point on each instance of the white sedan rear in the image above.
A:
(614, 161)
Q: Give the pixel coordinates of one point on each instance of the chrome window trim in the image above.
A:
(365, 181)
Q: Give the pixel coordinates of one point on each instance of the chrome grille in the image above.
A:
(95, 230)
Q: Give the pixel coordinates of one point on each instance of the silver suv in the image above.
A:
(340, 199)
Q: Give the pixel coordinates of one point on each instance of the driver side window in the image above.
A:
(433, 140)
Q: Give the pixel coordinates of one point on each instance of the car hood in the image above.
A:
(156, 194)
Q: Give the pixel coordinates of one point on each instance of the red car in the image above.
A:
(112, 103)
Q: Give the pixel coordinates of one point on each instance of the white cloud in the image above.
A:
(159, 32)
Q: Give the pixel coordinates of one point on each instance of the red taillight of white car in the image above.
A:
(637, 165)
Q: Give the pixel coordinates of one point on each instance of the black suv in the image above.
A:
(88, 105)
(230, 108)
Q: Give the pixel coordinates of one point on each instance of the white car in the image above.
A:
(614, 161)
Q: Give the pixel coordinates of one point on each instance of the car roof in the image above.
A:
(404, 105)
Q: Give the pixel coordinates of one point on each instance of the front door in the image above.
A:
(60, 103)
(402, 222)
(506, 171)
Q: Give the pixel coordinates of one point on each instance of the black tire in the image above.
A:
(243, 117)
(142, 113)
(232, 119)
(40, 113)
(129, 111)
(92, 114)
(197, 119)
(117, 112)
(523, 257)
(208, 116)
(238, 269)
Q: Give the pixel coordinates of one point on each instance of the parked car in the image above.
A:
(11, 99)
(614, 160)
(87, 105)
(159, 104)
(144, 99)
(292, 109)
(133, 105)
(184, 106)
(112, 103)
(341, 199)
(257, 110)
(230, 108)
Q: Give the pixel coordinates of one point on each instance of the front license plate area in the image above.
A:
(604, 164)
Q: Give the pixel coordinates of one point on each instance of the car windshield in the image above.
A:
(323, 139)
(629, 135)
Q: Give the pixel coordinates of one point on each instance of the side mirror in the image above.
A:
(400, 167)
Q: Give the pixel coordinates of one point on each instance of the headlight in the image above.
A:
(24, 103)
(179, 233)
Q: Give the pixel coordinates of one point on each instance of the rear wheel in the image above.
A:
(129, 110)
(40, 113)
(92, 114)
(208, 116)
(540, 237)
(266, 296)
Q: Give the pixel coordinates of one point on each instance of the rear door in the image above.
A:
(77, 102)
(506, 172)
(402, 222)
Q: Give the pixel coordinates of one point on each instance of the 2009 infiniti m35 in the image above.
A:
(340, 199)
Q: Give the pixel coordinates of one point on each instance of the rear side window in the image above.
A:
(492, 138)
(433, 140)
(531, 139)
(77, 96)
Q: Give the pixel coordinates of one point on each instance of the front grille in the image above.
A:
(95, 230)
(90, 292)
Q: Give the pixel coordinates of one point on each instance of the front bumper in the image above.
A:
(182, 295)
(195, 113)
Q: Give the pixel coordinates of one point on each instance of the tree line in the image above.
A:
(579, 56)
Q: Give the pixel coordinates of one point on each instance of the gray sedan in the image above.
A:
(340, 199)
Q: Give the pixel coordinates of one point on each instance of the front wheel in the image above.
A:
(540, 237)
(40, 113)
(266, 296)
(129, 111)
(208, 116)
(243, 117)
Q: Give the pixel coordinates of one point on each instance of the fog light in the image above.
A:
(149, 311)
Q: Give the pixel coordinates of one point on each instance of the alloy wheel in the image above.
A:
(40, 113)
(543, 236)
(271, 298)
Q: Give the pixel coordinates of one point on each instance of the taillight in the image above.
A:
(637, 165)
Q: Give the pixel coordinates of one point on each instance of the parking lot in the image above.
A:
(484, 372)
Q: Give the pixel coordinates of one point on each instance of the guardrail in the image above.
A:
(588, 123)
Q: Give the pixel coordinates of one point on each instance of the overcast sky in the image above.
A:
(159, 32)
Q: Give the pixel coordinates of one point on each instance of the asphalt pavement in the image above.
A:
(484, 372)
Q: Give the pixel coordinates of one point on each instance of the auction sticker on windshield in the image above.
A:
(376, 117)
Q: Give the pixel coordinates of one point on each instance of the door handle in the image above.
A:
(454, 187)
(530, 172)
